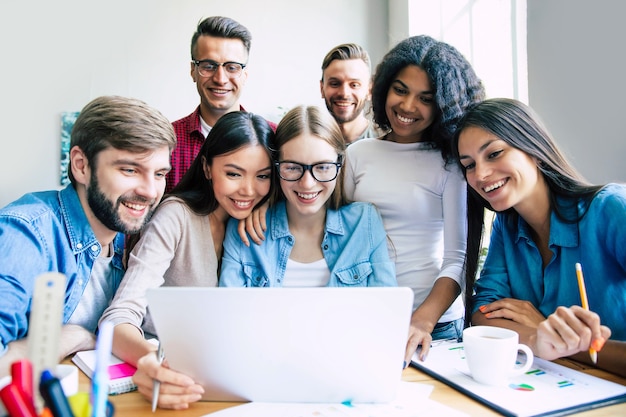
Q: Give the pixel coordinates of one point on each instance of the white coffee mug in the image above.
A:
(491, 354)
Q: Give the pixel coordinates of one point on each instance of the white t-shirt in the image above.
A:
(204, 128)
(97, 295)
(423, 206)
(312, 274)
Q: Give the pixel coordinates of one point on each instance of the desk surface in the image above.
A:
(133, 404)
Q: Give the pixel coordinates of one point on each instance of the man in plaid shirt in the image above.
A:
(219, 55)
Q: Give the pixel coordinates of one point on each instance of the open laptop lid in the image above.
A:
(323, 345)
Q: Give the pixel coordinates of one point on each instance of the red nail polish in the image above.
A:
(598, 344)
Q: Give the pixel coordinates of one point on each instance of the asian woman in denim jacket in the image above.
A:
(314, 236)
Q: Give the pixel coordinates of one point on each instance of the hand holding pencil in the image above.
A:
(570, 330)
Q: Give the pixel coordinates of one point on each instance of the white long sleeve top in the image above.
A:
(423, 206)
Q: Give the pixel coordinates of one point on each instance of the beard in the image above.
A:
(107, 211)
(341, 119)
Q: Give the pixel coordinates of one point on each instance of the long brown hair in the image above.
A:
(518, 125)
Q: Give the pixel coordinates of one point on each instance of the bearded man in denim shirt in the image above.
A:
(119, 156)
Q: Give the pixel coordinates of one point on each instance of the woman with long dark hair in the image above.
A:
(182, 243)
(549, 218)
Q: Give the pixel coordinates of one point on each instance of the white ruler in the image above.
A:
(44, 327)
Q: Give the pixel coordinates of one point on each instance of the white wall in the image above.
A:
(576, 70)
(58, 55)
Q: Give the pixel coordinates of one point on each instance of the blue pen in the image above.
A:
(100, 378)
(53, 395)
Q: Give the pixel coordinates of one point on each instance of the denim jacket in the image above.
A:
(514, 267)
(354, 247)
(45, 232)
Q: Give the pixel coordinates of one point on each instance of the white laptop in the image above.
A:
(317, 345)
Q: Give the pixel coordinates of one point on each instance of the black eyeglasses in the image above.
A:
(321, 172)
(207, 67)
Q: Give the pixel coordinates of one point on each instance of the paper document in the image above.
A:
(546, 389)
(411, 401)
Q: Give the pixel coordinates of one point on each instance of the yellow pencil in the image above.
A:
(583, 298)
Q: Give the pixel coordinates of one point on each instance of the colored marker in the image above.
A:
(52, 392)
(16, 403)
(81, 405)
(22, 376)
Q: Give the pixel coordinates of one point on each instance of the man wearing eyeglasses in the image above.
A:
(219, 55)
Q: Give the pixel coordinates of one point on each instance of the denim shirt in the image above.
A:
(354, 247)
(514, 267)
(45, 232)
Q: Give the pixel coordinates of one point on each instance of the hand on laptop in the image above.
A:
(176, 391)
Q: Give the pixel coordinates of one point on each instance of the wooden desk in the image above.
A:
(133, 404)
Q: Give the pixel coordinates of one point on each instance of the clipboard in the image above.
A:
(547, 389)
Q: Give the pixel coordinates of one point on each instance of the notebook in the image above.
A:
(120, 372)
(318, 345)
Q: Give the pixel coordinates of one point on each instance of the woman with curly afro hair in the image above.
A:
(421, 89)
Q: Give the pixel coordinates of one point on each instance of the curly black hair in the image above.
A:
(453, 79)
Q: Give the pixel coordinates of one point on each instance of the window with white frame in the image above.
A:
(491, 34)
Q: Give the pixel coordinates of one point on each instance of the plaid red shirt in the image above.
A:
(189, 141)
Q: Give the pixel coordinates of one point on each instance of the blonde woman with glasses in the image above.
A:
(314, 236)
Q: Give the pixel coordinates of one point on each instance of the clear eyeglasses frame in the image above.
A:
(208, 67)
(321, 171)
